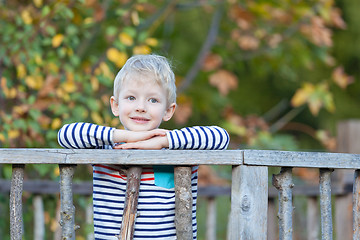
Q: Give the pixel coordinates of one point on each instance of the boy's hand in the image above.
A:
(154, 143)
(125, 136)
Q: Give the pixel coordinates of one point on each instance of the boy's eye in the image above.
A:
(131, 98)
(153, 100)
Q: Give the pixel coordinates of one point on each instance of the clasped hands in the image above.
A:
(153, 139)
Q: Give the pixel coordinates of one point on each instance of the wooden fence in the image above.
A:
(249, 188)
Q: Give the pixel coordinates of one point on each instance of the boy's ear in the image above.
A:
(114, 106)
(169, 112)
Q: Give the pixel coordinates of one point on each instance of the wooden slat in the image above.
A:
(16, 218)
(126, 157)
(283, 183)
(249, 202)
(312, 219)
(211, 219)
(301, 159)
(356, 206)
(67, 221)
(133, 178)
(183, 203)
(325, 204)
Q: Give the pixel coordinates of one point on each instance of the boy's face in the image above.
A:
(142, 105)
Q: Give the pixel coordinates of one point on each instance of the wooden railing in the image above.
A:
(249, 189)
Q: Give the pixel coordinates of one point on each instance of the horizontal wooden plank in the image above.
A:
(122, 157)
(301, 159)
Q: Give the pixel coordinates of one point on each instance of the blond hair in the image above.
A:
(152, 67)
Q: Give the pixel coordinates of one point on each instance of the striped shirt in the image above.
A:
(156, 204)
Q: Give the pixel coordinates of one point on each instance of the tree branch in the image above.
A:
(210, 40)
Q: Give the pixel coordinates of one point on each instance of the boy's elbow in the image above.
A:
(61, 138)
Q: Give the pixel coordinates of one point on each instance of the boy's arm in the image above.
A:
(213, 138)
(88, 135)
(199, 137)
(85, 135)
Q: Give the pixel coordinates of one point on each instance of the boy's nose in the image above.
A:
(140, 107)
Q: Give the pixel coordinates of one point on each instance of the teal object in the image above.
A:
(164, 176)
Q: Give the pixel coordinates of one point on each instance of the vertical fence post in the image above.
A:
(283, 183)
(16, 219)
(312, 219)
(325, 204)
(211, 219)
(356, 205)
(249, 203)
(183, 203)
(133, 180)
(39, 221)
(67, 213)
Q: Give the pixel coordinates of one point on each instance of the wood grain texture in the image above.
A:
(183, 203)
(133, 178)
(249, 203)
(127, 157)
(16, 218)
(301, 159)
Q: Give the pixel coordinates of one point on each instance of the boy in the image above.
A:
(144, 96)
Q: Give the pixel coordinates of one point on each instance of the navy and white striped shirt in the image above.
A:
(156, 204)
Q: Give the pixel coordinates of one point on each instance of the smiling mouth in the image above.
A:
(140, 120)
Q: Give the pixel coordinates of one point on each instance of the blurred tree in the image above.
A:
(250, 66)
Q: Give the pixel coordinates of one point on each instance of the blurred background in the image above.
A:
(275, 74)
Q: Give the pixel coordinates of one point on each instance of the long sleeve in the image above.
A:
(85, 135)
(199, 137)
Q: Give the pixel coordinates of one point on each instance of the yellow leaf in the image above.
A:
(126, 39)
(88, 20)
(13, 134)
(34, 82)
(57, 40)
(69, 86)
(52, 67)
(153, 42)
(2, 137)
(30, 82)
(38, 3)
(117, 57)
(56, 123)
(21, 71)
(56, 172)
(315, 106)
(95, 116)
(302, 95)
(26, 17)
(38, 60)
(106, 70)
(94, 83)
(142, 49)
(12, 93)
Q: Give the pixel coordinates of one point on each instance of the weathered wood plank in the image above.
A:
(325, 204)
(356, 206)
(283, 183)
(133, 157)
(211, 219)
(312, 219)
(133, 178)
(16, 218)
(39, 218)
(249, 202)
(183, 203)
(67, 213)
(301, 159)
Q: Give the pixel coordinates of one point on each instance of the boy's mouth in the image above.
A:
(140, 119)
